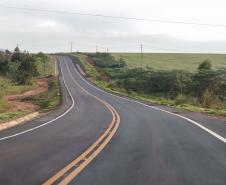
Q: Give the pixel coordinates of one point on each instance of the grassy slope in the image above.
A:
(93, 76)
(90, 70)
(170, 61)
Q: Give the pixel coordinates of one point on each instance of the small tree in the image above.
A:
(208, 99)
(26, 69)
(183, 80)
(4, 61)
(17, 55)
(122, 63)
(205, 65)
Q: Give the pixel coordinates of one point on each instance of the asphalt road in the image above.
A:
(149, 147)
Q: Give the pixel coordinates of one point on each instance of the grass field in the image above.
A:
(170, 61)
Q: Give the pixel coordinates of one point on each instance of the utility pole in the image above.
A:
(71, 46)
(141, 50)
(96, 49)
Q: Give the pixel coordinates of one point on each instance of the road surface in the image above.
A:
(138, 144)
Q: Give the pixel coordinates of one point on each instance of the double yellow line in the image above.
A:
(68, 173)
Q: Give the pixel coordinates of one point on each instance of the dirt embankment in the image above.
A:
(15, 101)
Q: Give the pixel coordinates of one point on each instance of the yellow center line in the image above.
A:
(104, 138)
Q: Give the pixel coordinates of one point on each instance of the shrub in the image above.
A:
(180, 99)
(112, 85)
(26, 70)
(208, 99)
(205, 65)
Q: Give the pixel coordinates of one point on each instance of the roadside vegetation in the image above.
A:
(203, 90)
(27, 84)
(47, 101)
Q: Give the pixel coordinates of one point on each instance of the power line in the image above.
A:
(129, 45)
(113, 17)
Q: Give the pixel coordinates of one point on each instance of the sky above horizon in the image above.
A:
(53, 32)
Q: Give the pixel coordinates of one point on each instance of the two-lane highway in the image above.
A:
(148, 147)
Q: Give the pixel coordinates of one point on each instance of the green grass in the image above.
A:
(8, 87)
(6, 116)
(112, 87)
(89, 69)
(171, 61)
(3, 103)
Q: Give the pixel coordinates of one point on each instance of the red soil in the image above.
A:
(15, 101)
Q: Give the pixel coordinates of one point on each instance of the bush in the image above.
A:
(112, 85)
(180, 99)
(208, 99)
(20, 67)
(205, 65)
(208, 79)
(26, 70)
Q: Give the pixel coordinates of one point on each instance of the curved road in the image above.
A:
(149, 146)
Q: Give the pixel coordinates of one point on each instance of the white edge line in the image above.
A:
(221, 138)
(44, 124)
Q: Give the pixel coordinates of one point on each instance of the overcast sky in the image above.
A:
(52, 32)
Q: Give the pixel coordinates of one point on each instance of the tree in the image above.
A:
(4, 61)
(183, 79)
(122, 63)
(203, 80)
(43, 58)
(7, 52)
(205, 65)
(26, 69)
(17, 55)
